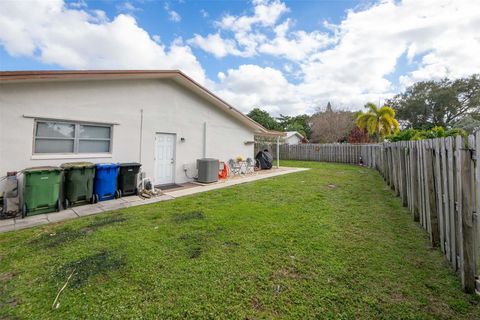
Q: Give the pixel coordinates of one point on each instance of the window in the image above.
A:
(69, 137)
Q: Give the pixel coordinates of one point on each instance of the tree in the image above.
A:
(264, 118)
(358, 135)
(300, 123)
(379, 122)
(414, 134)
(329, 107)
(470, 123)
(330, 126)
(428, 104)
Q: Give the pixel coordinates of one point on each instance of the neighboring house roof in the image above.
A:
(176, 75)
(294, 133)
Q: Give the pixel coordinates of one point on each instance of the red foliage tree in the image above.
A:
(358, 135)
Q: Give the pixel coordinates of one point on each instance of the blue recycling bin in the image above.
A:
(105, 184)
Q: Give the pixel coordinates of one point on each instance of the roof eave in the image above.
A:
(179, 76)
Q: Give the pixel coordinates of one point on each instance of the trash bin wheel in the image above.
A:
(24, 210)
(92, 199)
(117, 194)
(66, 204)
(136, 192)
(59, 205)
(95, 198)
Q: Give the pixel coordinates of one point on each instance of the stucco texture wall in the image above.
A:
(167, 108)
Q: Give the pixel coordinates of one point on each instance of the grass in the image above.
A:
(331, 242)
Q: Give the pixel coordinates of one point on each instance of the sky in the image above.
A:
(286, 57)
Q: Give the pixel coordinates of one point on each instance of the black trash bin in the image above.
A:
(127, 178)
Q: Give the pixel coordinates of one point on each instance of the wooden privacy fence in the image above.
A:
(334, 152)
(437, 179)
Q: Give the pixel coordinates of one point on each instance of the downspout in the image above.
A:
(278, 152)
(141, 137)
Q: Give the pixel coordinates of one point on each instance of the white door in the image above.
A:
(164, 158)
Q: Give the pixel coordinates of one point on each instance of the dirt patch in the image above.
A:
(63, 236)
(398, 297)
(55, 239)
(7, 276)
(231, 244)
(198, 241)
(194, 252)
(418, 262)
(184, 217)
(102, 222)
(256, 304)
(194, 242)
(98, 264)
(288, 273)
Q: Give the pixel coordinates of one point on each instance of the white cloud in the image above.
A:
(442, 34)
(245, 41)
(251, 86)
(348, 63)
(127, 7)
(78, 4)
(214, 44)
(297, 46)
(266, 13)
(439, 38)
(76, 39)
(204, 13)
(174, 16)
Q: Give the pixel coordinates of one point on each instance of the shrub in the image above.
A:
(435, 132)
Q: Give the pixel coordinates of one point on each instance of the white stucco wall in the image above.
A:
(167, 108)
(293, 140)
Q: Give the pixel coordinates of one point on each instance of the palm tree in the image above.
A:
(379, 122)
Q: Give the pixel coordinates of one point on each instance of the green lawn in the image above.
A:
(331, 242)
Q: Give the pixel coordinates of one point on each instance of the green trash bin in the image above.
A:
(78, 183)
(41, 190)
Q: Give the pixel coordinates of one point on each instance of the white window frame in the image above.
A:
(76, 138)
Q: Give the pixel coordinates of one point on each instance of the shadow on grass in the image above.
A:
(100, 263)
(68, 235)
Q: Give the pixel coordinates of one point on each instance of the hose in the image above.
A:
(191, 178)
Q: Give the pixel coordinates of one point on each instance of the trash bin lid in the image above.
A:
(106, 165)
(41, 169)
(130, 164)
(70, 165)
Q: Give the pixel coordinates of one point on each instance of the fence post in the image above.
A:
(415, 184)
(476, 215)
(467, 251)
(432, 212)
(438, 190)
(403, 170)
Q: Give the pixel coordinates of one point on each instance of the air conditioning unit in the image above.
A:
(207, 170)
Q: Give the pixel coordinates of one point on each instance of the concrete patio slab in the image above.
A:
(163, 197)
(7, 222)
(87, 210)
(113, 205)
(62, 215)
(6, 228)
(233, 181)
(31, 221)
(130, 201)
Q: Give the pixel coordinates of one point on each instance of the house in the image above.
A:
(162, 119)
(293, 137)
